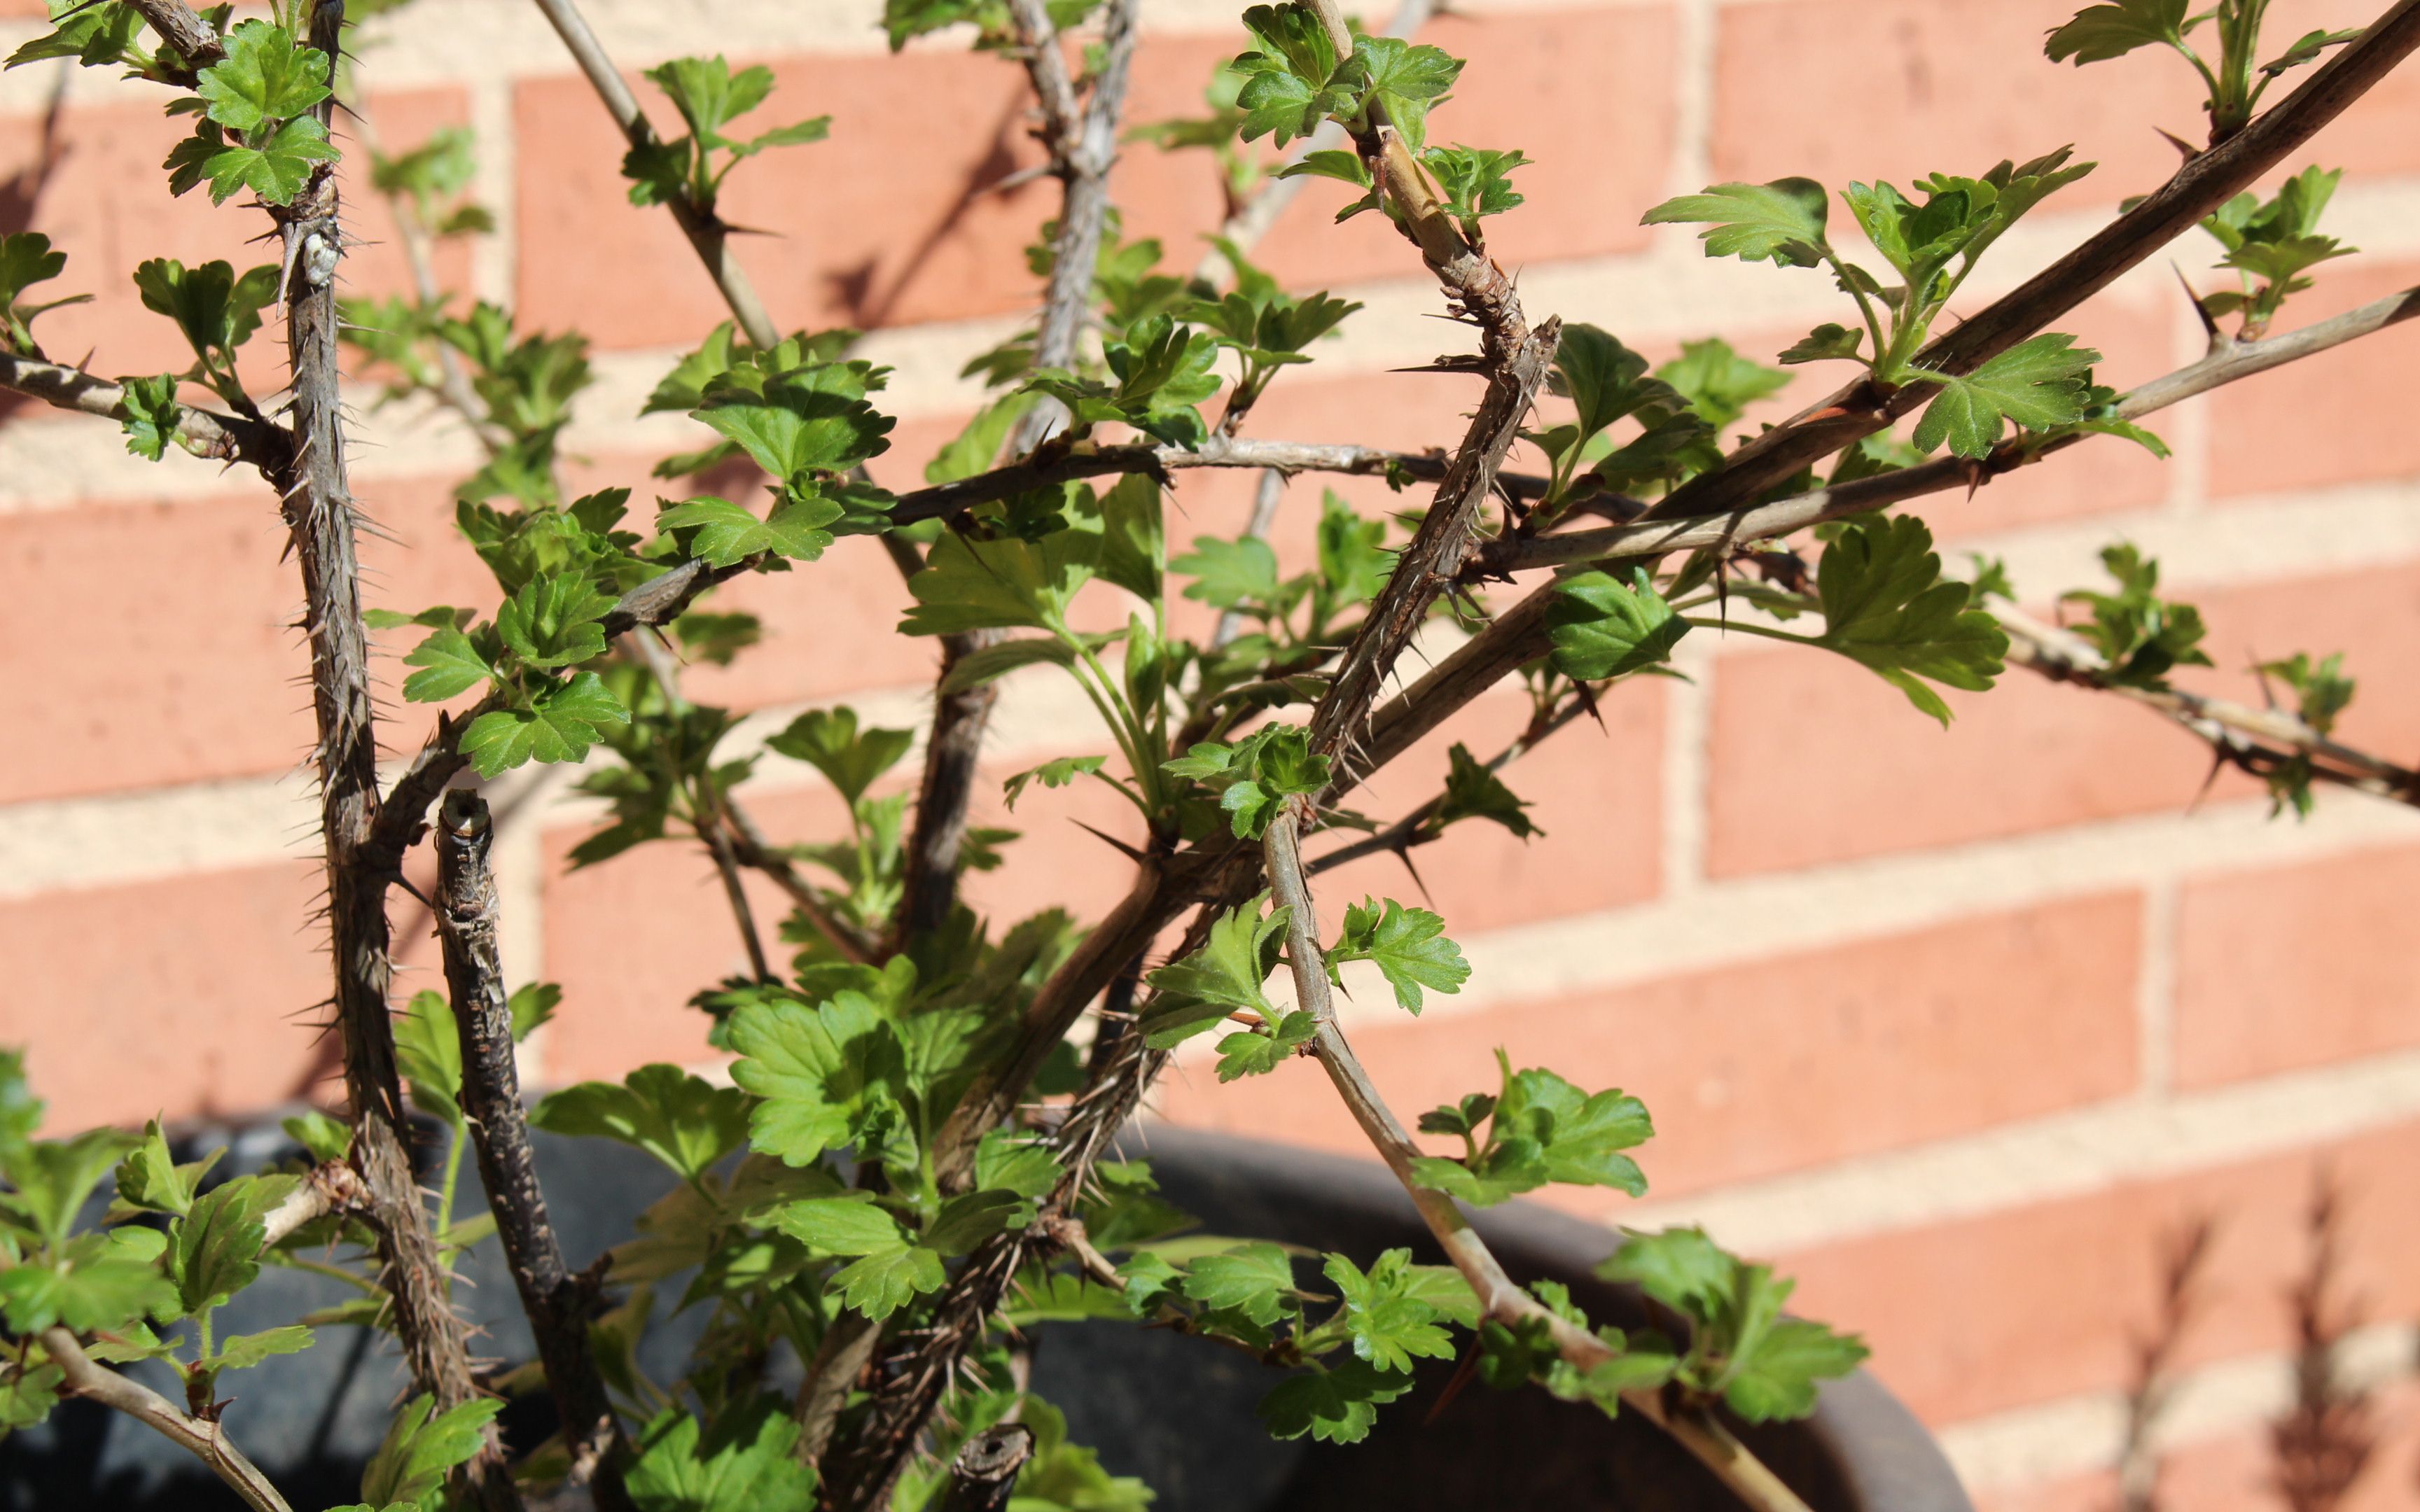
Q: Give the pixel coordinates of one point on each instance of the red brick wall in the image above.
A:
(1954, 1025)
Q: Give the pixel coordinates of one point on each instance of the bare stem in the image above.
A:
(1704, 1437)
(206, 1440)
(706, 233)
(1082, 142)
(555, 1303)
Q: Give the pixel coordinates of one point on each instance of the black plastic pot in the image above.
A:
(1173, 1410)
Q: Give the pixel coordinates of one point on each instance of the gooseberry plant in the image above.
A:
(909, 1159)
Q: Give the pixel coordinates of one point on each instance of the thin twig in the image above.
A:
(1082, 142)
(1500, 1298)
(2258, 740)
(453, 381)
(2230, 363)
(706, 233)
(2205, 181)
(1258, 216)
(468, 915)
(206, 1440)
(205, 433)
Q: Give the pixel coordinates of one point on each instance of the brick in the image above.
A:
(2030, 754)
(201, 685)
(106, 205)
(631, 939)
(2327, 419)
(2236, 1470)
(179, 997)
(1594, 173)
(1770, 1066)
(1907, 88)
(903, 223)
(2032, 1305)
(2282, 970)
(1813, 759)
(2106, 476)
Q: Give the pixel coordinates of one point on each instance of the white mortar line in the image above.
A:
(1688, 734)
(1731, 920)
(1693, 97)
(495, 256)
(2046, 1160)
(2155, 989)
(2079, 1435)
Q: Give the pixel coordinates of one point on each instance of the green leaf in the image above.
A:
(1886, 606)
(745, 1464)
(1338, 1406)
(1256, 774)
(559, 726)
(1387, 1315)
(1473, 791)
(1405, 79)
(1407, 945)
(2101, 32)
(242, 1352)
(217, 311)
(1542, 1129)
(450, 664)
(830, 741)
(1050, 774)
(1825, 343)
(2040, 384)
(1195, 991)
(1255, 1280)
(1602, 627)
(150, 415)
(1777, 1382)
(1230, 574)
(215, 1250)
(1604, 379)
(1002, 584)
(1133, 539)
(266, 76)
(1477, 182)
(2141, 635)
(839, 1226)
(420, 1449)
(1782, 221)
(1007, 1162)
(53, 1178)
(1763, 1365)
(888, 1280)
(150, 1179)
(1718, 383)
(1256, 1053)
(428, 1052)
(966, 1220)
(683, 1120)
(729, 534)
(821, 1071)
(810, 420)
(323, 1138)
(552, 622)
(85, 1288)
(275, 170)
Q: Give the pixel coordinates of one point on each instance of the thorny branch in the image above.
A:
(319, 509)
(556, 1303)
(1498, 1297)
